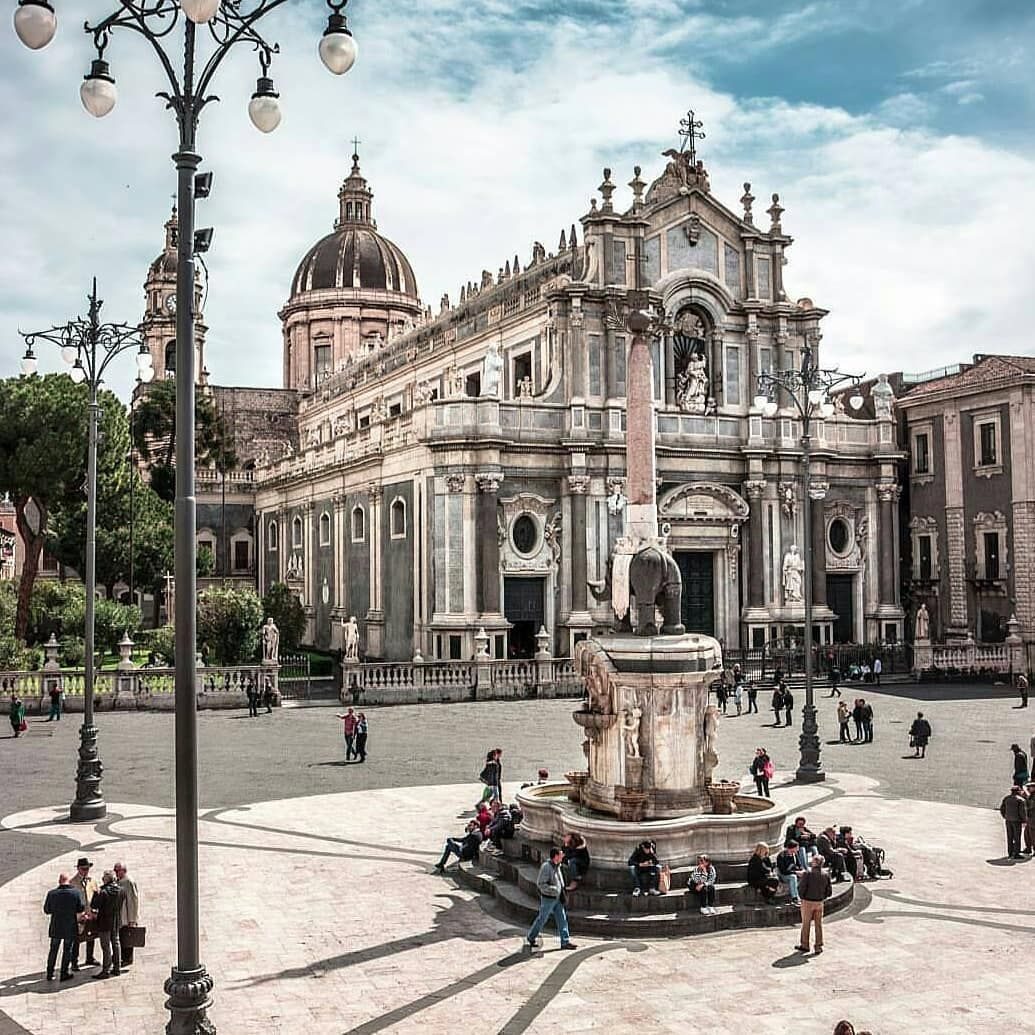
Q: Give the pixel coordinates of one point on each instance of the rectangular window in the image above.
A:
(765, 360)
(655, 362)
(762, 270)
(322, 362)
(924, 549)
(242, 555)
(364, 421)
(652, 259)
(522, 369)
(732, 375)
(617, 263)
(594, 364)
(987, 444)
(732, 264)
(922, 454)
(620, 365)
(473, 385)
(454, 648)
(991, 543)
(395, 409)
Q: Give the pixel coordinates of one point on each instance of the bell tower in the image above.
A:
(160, 310)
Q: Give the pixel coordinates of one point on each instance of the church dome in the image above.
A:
(355, 255)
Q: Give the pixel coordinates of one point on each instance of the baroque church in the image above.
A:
(435, 474)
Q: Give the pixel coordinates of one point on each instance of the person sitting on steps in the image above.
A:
(788, 870)
(465, 849)
(761, 872)
(576, 859)
(702, 884)
(645, 869)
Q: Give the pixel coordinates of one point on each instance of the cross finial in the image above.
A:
(690, 129)
(355, 146)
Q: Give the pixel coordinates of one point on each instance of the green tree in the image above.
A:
(42, 462)
(228, 624)
(154, 435)
(205, 561)
(287, 612)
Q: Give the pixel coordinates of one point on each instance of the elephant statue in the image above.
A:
(655, 581)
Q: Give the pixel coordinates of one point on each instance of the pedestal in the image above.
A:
(350, 688)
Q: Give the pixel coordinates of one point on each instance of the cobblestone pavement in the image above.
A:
(296, 753)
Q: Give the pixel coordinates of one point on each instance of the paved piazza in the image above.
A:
(320, 913)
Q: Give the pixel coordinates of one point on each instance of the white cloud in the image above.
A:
(479, 138)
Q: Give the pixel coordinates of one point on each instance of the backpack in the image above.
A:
(486, 774)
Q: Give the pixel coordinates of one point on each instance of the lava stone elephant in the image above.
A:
(655, 582)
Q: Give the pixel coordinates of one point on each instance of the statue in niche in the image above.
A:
(793, 575)
(923, 624)
(631, 731)
(692, 385)
(883, 398)
(711, 740)
(345, 424)
(492, 370)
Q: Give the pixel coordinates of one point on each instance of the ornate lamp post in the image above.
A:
(808, 390)
(190, 76)
(88, 346)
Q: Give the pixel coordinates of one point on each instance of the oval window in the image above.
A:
(525, 534)
(840, 535)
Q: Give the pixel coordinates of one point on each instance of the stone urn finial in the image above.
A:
(722, 795)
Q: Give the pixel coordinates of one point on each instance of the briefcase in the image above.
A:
(134, 937)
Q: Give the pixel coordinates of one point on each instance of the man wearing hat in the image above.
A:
(87, 888)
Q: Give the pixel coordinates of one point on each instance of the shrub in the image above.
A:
(162, 641)
(228, 625)
(14, 655)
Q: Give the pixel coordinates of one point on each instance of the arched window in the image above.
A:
(398, 518)
(325, 529)
(359, 525)
(296, 533)
(272, 532)
(170, 357)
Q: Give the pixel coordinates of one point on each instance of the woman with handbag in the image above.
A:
(762, 770)
(17, 715)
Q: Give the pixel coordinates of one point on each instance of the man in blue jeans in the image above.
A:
(550, 883)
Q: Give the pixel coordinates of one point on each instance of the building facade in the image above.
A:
(463, 470)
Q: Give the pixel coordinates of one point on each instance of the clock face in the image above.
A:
(170, 303)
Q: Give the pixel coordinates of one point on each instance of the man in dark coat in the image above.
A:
(1013, 809)
(788, 704)
(63, 905)
(107, 908)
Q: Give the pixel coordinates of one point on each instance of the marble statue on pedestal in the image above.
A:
(793, 575)
(492, 369)
(350, 638)
(923, 624)
(270, 643)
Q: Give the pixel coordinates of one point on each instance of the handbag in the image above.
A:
(134, 937)
(664, 880)
(768, 769)
(22, 726)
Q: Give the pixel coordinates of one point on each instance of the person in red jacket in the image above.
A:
(349, 721)
(484, 817)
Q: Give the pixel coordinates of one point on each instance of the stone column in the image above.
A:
(487, 547)
(641, 465)
(817, 494)
(756, 531)
(309, 581)
(375, 620)
(578, 485)
(887, 495)
(668, 373)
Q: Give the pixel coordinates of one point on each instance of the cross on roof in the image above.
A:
(355, 146)
(690, 129)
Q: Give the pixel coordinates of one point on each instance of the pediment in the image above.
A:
(705, 502)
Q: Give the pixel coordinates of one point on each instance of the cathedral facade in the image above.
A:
(435, 474)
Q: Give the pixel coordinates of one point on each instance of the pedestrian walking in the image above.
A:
(348, 729)
(919, 735)
(867, 721)
(738, 697)
(857, 718)
(813, 889)
(267, 695)
(752, 692)
(253, 697)
(490, 777)
(843, 718)
(1020, 765)
(550, 884)
(1022, 689)
(1014, 810)
(55, 702)
(63, 905)
(129, 913)
(1029, 823)
(835, 676)
(762, 770)
(878, 668)
(106, 906)
(87, 888)
(788, 704)
(362, 730)
(721, 693)
(16, 716)
(777, 704)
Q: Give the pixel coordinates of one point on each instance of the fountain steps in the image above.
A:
(612, 914)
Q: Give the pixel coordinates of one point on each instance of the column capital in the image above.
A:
(375, 492)
(754, 488)
(489, 481)
(818, 491)
(455, 482)
(889, 493)
(578, 484)
(308, 507)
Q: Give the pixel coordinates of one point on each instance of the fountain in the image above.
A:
(651, 743)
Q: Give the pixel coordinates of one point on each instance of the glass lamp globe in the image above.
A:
(760, 402)
(35, 23)
(97, 91)
(77, 373)
(69, 353)
(29, 364)
(770, 409)
(856, 401)
(200, 11)
(147, 374)
(827, 409)
(144, 359)
(264, 111)
(816, 397)
(338, 48)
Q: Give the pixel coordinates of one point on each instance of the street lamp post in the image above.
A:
(229, 22)
(808, 389)
(88, 346)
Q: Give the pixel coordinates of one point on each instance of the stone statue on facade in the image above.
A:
(270, 643)
(350, 638)
(711, 740)
(923, 624)
(793, 575)
(631, 731)
(692, 385)
(492, 370)
(883, 398)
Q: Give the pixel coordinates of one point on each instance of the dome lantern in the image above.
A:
(354, 199)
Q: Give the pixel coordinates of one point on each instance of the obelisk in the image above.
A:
(640, 466)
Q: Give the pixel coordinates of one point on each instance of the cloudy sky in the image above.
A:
(898, 135)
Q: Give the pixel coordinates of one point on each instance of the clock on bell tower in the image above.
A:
(160, 310)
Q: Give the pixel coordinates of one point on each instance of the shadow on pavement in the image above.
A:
(794, 959)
